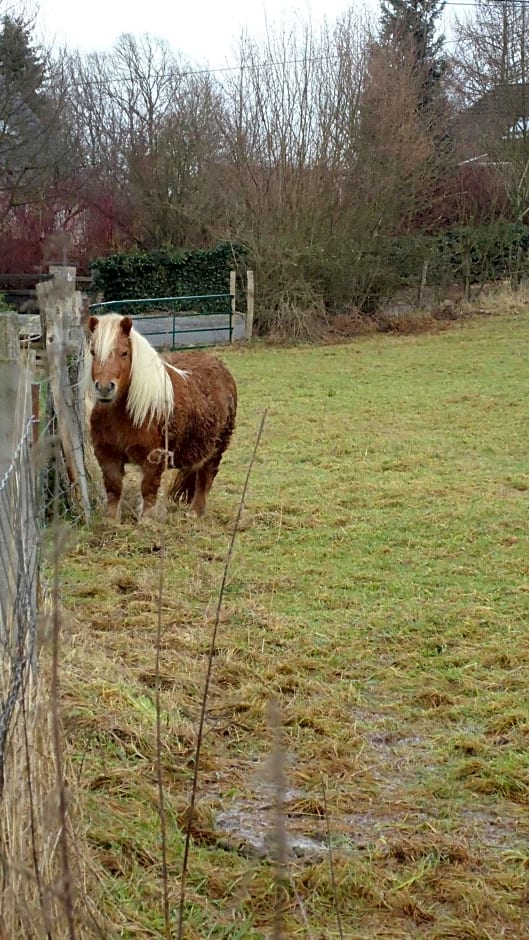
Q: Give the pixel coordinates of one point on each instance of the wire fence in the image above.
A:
(39, 498)
(34, 491)
(19, 582)
(45, 482)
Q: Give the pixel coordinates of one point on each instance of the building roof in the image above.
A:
(500, 114)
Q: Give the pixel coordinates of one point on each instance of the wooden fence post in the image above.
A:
(17, 522)
(233, 290)
(61, 312)
(250, 300)
(516, 270)
(422, 285)
(13, 402)
(467, 267)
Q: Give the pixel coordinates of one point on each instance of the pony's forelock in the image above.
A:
(105, 335)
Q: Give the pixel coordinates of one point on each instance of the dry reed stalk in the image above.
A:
(30, 826)
(56, 623)
(158, 710)
(280, 842)
(331, 862)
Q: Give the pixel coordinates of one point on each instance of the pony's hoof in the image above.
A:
(110, 522)
(193, 513)
(157, 513)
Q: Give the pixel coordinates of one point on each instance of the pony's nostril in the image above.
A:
(96, 385)
(111, 386)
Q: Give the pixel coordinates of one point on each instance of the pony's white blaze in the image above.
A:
(150, 390)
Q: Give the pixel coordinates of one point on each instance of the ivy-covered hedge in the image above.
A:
(485, 253)
(464, 255)
(477, 254)
(167, 273)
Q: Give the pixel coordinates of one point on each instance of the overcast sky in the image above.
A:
(205, 31)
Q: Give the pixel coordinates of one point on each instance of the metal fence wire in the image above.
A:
(19, 577)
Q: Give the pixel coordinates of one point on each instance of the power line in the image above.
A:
(253, 66)
(468, 3)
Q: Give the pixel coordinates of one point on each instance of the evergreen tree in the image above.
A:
(410, 26)
(22, 77)
(27, 116)
(21, 69)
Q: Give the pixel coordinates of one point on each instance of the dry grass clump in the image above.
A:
(295, 314)
(500, 300)
(414, 321)
(40, 896)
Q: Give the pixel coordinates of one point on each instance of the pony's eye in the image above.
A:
(92, 352)
(124, 355)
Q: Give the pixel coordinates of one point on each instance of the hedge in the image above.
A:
(169, 273)
(476, 254)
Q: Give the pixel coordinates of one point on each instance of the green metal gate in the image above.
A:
(188, 319)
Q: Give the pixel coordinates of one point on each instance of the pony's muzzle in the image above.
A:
(105, 391)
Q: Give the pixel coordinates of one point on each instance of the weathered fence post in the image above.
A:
(516, 270)
(11, 404)
(18, 536)
(61, 311)
(422, 285)
(467, 267)
(250, 300)
(233, 290)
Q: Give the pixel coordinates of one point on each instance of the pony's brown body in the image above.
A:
(191, 437)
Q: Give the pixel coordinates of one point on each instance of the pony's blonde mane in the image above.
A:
(151, 390)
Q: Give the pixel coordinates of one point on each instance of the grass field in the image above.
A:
(379, 593)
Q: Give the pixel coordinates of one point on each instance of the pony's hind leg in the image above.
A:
(182, 487)
(205, 476)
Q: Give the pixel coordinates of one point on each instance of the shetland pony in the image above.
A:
(177, 411)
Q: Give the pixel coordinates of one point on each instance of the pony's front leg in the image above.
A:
(150, 484)
(113, 472)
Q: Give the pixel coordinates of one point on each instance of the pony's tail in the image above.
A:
(182, 487)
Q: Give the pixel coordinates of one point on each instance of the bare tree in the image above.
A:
(492, 79)
(291, 115)
(491, 47)
(148, 131)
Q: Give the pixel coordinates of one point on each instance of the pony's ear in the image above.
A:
(92, 323)
(126, 325)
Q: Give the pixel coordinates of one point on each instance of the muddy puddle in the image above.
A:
(250, 826)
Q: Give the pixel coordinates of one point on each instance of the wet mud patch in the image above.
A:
(251, 829)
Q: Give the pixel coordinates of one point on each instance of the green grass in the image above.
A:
(379, 592)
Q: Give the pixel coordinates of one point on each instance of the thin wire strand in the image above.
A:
(194, 785)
